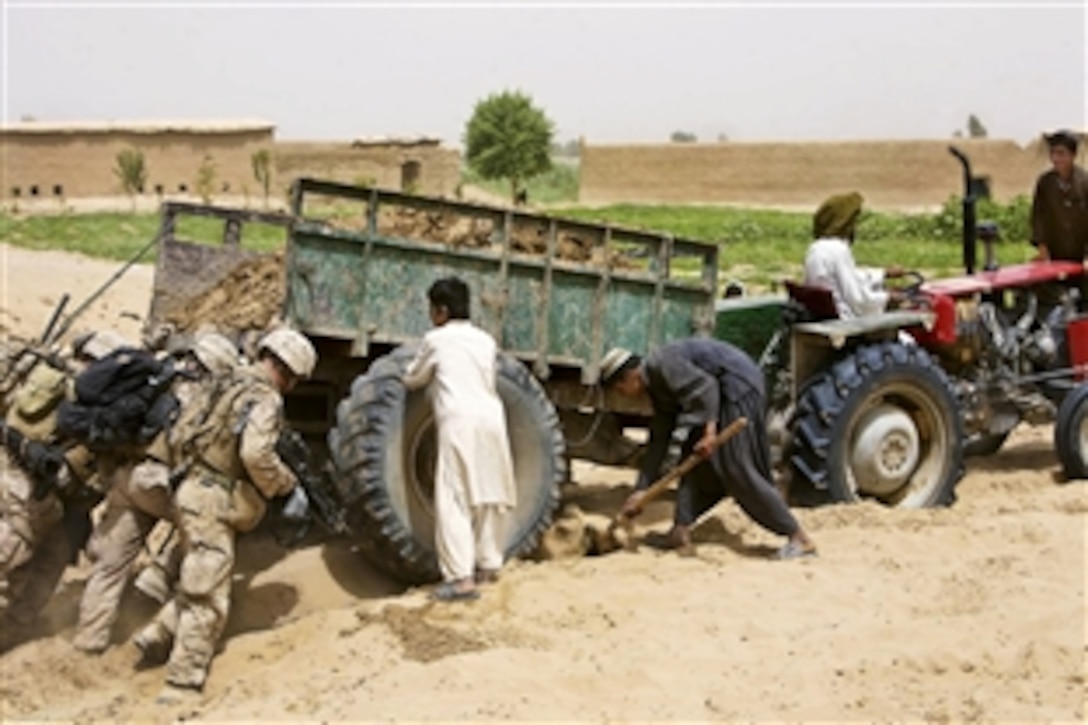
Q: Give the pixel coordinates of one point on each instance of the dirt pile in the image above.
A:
(250, 297)
(527, 236)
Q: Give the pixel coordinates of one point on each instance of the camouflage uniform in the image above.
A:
(139, 498)
(34, 548)
(32, 545)
(232, 468)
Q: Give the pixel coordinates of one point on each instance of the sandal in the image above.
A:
(448, 592)
(795, 550)
(486, 576)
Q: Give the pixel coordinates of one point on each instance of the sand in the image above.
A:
(967, 613)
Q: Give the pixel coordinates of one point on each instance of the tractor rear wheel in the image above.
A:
(384, 450)
(881, 424)
(1071, 433)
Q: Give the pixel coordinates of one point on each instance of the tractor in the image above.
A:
(887, 407)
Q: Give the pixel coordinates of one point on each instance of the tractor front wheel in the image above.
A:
(881, 424)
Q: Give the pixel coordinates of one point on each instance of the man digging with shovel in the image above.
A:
(703, 384)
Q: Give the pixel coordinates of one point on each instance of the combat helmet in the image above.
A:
(293, 350)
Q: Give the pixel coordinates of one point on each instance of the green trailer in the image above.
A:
(352, 276)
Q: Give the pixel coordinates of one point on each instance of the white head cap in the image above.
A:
(613, 362)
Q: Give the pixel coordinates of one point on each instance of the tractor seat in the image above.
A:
(817, 301)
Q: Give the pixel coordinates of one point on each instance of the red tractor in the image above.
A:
(887, 407)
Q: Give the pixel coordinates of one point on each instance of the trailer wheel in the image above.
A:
(882, 424)
(383, 447)
(1071, 433)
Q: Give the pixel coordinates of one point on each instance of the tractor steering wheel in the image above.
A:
(912, 289)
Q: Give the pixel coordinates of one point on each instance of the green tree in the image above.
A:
(508, 138)
(205, 179)
(683, 137)
(261, 161)
(130, 168)
(975, 129)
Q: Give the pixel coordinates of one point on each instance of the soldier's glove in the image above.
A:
(293, 523)
(297, 505)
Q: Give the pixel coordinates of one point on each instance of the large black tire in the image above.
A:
(384, 450)
(881, 424)
(1071, 433)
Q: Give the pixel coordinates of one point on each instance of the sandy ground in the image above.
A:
(976, 612)
(32, 283)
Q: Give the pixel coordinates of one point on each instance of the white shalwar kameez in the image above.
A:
(858, 291)
(474, 482)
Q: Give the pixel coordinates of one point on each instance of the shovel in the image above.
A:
(608, 541)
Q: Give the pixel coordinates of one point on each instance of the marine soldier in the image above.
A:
(139, 496)
(229, 468)
(41, 483)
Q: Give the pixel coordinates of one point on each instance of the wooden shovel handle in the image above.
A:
(662, 484)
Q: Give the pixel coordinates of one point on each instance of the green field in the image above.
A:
(759, 247)
(559, 185)
(116, 235)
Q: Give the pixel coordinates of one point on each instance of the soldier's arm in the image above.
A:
(257, 449)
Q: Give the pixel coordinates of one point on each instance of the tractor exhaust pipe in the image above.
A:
(969, 230)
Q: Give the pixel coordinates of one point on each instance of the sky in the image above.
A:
(607, 71)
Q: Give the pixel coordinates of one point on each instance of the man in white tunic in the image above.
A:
(857, 291)
(474, 486)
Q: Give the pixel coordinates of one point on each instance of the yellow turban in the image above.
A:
(837, 216)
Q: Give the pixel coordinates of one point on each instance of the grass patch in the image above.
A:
(559, 185)
(119, 236)
(106, 235)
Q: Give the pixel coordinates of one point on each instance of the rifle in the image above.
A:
(325, 507)
(18, 365)
(54, 333)
(41, 461)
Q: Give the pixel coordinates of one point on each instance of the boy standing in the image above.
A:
(474, 482)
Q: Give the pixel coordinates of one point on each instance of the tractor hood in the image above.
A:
(1015, 276)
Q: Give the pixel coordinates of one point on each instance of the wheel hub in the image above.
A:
(886, 450)
(422, 461)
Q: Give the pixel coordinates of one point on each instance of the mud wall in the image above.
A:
(437, 170)
(75, 163)
(891, 174)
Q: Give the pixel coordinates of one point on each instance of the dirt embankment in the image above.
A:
(972, 613)
(249, 297)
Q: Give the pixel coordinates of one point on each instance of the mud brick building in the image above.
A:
(39, 160)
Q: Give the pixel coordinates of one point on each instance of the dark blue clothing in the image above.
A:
(691, 382)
